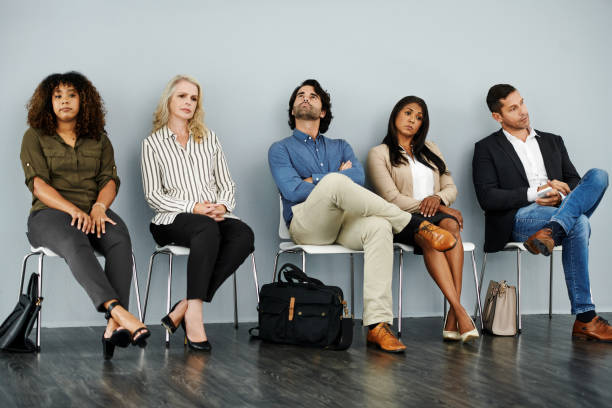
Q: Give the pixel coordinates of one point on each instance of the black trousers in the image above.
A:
(217, 249)
(51, 228)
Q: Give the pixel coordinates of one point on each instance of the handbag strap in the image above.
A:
(294, 274)
(33, 287)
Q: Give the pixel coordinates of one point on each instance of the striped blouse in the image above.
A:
(175, 179)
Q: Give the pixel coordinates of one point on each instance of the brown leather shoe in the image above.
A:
(597, 329)
(383, 337)
(433, 236)
(541, 242)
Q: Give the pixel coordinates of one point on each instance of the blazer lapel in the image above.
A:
(511, 153)
(546, 155)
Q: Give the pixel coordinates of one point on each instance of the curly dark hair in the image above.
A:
(325, 102)
(90, 119)
(422, 153)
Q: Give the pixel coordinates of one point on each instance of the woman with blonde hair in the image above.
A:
(409, 171)
(187, 183)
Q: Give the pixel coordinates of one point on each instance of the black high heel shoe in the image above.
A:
(193, 345)
(167, 322)
(108, 348)
(120, 335)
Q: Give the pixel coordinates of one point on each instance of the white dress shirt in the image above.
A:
(176, 178)
(531, 157)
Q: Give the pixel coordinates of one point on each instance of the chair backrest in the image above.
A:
(283, 231)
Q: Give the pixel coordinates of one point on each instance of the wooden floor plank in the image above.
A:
(542, 367)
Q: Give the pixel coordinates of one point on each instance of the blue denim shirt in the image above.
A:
(298, 157)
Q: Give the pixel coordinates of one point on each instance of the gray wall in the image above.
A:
(249, 56)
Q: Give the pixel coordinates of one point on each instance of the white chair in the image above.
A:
(176, 250)
(288, 246)
(519, 248)
(42, 252)
(467, 247)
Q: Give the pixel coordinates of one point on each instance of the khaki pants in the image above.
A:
(339, 210)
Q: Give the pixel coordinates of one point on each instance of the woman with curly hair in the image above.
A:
(187, 182)
(409, 171)
(69, 167)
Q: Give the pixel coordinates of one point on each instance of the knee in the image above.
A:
(247, 237)
(333, 181)
(599, 176)
(451, 226)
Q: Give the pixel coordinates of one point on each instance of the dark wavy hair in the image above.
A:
(325, 101)
(496, 93)
(90, 119)
(422, 153)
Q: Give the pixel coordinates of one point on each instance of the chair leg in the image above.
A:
(235, 303)
(136, 288)
(169, 295)
(151, 260)
(38, 320)
(255, 276)
(352, 284)
(550, 286)
(23, 270)
(518, 290)
(477, 289)
(399, 293)
(482, 273)
(276, 264)
(304, 261)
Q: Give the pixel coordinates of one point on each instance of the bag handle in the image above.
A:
(33, 287)
(294, 274)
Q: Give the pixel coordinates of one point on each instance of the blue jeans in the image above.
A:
(573, 215)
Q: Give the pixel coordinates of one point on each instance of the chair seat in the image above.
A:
(317, 249)
(510, 246)
(47, 252)
(467, 247)
(174, 249)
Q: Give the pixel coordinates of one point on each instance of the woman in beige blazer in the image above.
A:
(410, 172)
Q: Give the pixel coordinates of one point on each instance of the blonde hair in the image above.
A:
(162, 113)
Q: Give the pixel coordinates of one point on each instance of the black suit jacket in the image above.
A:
(501, 183)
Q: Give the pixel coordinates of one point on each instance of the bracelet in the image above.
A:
(100, 204)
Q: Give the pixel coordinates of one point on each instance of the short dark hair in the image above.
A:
(325, 102)
(496, 93)
(90, 119)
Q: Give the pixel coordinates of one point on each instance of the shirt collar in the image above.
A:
(531, 135)
(303, 137)
(167, 133)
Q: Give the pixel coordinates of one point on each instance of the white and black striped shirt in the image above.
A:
(175, 179)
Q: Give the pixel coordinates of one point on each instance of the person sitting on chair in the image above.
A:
(320, 181)
(70, 169)
(187, 182)
(409, 171)
(531, 193)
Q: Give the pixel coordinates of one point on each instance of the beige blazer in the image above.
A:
(394, 184)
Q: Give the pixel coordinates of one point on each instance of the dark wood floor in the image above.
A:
(542, 367)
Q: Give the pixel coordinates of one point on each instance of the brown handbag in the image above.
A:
(499, 312)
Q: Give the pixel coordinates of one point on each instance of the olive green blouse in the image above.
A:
(78, 173)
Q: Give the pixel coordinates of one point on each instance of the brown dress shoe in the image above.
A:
(597, 329)
(430, 235)
(383, 337)
(541, 242)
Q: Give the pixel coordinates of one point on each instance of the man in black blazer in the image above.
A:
(531, 192)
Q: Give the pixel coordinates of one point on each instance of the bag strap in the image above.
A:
(294, 274)
(345, 339)
(33, 287)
